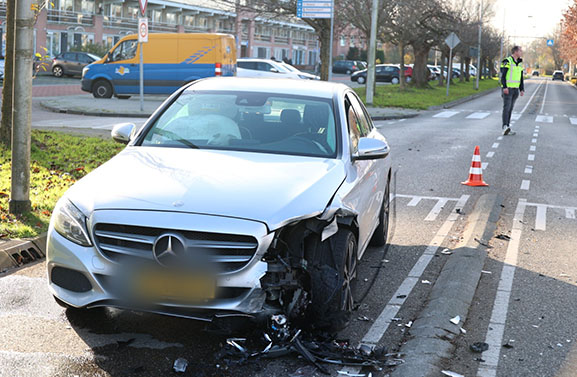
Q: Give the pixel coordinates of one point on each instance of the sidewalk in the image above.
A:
(114, 107)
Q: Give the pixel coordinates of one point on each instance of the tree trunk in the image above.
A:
(463, 73)
(325, 40)
(7, 89)
(468, 69)
(420, 71)
(442, 78)
(402, 82)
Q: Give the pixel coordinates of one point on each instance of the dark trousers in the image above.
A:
(508, 103)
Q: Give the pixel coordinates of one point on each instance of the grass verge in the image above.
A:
(422, 99)
(57, 161)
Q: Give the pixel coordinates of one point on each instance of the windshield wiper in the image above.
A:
(175, 137)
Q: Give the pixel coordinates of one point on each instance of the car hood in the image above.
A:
(272, 189)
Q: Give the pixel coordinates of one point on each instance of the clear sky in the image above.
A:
(533, 18)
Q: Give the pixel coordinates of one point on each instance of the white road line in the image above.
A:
(531, 157)
(544, 119)
(446, 114)
(414, 201)
(484, 165)
(381, 324)
(573, 121)
(569, 213)
(533, 140)
(432, 216)
(535, 135)
(495, 145)
(402, 120)
(515, 116)
(537, 126)
(525, 184)
(478, 115)
(501, 305)
(544, 96)
(528, 169)
(533, 148)
(490, 154)
(541, 217)
(500, 138)
(531, 99)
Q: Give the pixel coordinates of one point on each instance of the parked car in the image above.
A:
(535, 73)
(456, 73)
(254, 67)
(170, 61)
(435, 70)
(72, 63)
(348, 66)
(558, 75)
(241, 190)
(383, 73)
(2, 69)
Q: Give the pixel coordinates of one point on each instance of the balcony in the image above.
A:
(281, 40)
(121, 23)
(195, 29)
(300, 42)
(162, 27)
(313, 43)
(57, 16)
(3, 10)
(264, 38)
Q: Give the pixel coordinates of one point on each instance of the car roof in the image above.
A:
(257, 60)
(314, 88)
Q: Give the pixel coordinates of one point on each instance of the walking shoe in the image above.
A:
(511, 133)
(507, 130)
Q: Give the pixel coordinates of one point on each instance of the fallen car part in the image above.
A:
(180, 365)
(451, 374)
(456, 320)
(479, 347)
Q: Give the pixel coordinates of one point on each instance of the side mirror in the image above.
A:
(123, 132)
(274, 70)
(371, 149)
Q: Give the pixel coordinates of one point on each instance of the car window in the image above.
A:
(69, 56)
(364, 121)
(125, 51)
(247, 121)
(84, 58)
(264, 66)
(353, 125)
(246, 65)
(339, 63)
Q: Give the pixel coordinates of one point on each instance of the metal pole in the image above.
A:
(502, 37)
(449, 70)
(141, 69)
(24, 51)
(479, 68)
(330, 76)
(370, 89)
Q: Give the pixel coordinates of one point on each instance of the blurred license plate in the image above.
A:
(176, 286)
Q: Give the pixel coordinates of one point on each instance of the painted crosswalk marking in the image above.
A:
(446, 114)
(531, 157)
(528, 169)
(484, 165)
(541, 213)
(533, 148)
(478, 115)
(516, 116)
(441, 203)
(490, 154)
(544, 119)
(573, 121)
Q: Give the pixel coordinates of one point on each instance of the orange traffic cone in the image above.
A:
(476, 172)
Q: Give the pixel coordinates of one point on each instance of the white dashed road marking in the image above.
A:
(478, 115)
(446, 114)
(573, 121)
(528, 169)
(533, 140)
(495, 145)
(544, 119)
(484, 165)
(525, 184)
(490, 154)
(500, 138)
(570, 213)
(533, 148)
(535, 135)
(516, 116)
(531, 157)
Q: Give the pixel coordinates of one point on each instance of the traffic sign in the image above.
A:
(452, 40)
(143, 4)
(550, 42)
(314, 8)
(143, 30)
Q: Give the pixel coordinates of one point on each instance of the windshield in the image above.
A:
(247, 121)
(289, 67)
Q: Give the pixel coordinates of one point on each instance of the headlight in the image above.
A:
(304, 77)
(71, 223)
(84, 70)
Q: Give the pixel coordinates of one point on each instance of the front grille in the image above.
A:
(120, 243)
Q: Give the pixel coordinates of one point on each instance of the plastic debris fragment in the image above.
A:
(479, 347)
(456, 320)
(180, 365)
(451, 374)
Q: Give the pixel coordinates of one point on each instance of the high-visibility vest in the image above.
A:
(514, 74)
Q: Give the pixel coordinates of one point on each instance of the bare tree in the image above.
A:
(7, 89)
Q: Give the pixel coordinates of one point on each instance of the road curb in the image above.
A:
(460, 101)
(432, 333)
(56, 109)
(393, 117)
(15, 253)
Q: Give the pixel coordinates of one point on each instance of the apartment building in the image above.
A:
(69, 24)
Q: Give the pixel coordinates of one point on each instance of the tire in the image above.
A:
(57, 71)
(380, 236)
(123, 97)
(333, 280)
(361, 80)
(395, 80)
(102, 89)
(348, 72)
(408, 79)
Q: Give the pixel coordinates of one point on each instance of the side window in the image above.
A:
(264, 67)
(247, 65)
(69, 56)
(126, 50)
(354, 126)
(364, 122)
(84, 58)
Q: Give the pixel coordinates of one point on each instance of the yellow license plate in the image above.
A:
(176, 286)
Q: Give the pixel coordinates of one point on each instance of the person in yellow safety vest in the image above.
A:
(512, 84)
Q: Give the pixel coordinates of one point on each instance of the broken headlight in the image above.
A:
(70, 222)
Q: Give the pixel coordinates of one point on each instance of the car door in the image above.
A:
(122, 68)
(68, 62)
(363, 195)
(380, 73)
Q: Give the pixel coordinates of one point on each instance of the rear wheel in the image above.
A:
(333, 280)
(57, 71)
(395, 80)
(102, 89)
(361, 80)
(381, 233)
(348, 72)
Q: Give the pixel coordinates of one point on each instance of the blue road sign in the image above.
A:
(550, 42)
(314, 8)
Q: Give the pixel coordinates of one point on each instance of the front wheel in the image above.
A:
(381, 234)
(395, 80)
(349, 72)
(57, 71)
(361, 80)
(102, 89)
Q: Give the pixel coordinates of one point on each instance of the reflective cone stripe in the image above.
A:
(476, 172)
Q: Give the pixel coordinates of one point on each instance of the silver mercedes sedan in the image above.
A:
(238, 197)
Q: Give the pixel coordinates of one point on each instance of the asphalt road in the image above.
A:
(432, 154)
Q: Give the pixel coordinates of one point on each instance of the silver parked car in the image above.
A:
(244, 197)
